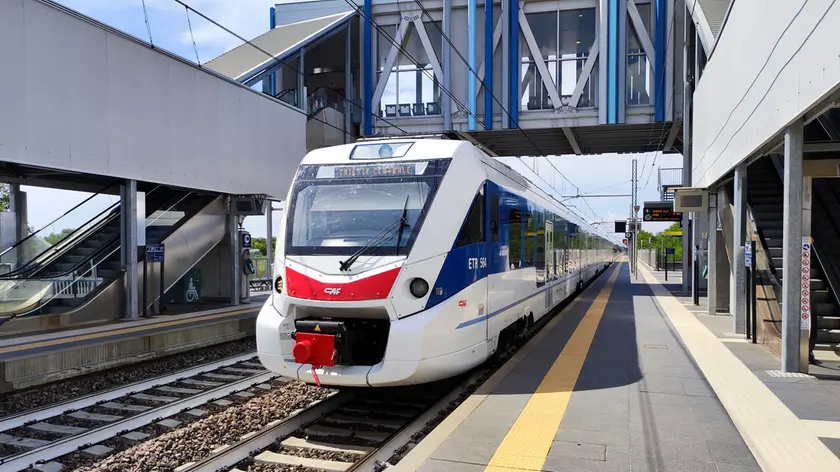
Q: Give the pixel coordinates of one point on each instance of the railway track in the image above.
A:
(354, 430)
(45, 434)
(363, 430)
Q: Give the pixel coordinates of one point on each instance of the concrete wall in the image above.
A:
(773, 62)
(79, 96)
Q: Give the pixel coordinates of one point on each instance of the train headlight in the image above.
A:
(419, 288)
(278, 284)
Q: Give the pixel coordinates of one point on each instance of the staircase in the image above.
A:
(826, 232)
(765, 197)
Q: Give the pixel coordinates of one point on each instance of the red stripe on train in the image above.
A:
(374, 287)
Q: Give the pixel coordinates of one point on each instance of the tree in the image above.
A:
(54, 238)
(260, 243)
(5, 197)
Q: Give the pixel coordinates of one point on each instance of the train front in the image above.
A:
(351, 220)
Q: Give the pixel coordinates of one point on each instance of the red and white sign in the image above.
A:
(805, 297)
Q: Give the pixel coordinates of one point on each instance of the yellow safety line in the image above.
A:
(102, 334)
(527, 443)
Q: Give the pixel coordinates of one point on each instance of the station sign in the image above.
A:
(155, 253)
(246, 240)
(805, 298)
(748, 254)
(660, 211)
(669, 251)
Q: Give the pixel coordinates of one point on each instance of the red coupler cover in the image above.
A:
(315, 349)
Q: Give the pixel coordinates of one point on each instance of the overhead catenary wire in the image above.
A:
(278, 62)
(492, 95)
(411, 58)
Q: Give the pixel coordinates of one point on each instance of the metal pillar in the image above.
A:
(367, 67)
(737, 294)
(791, 253)
(235, 253)
(505, 63)
(348, 90)
(711, 256)
(688, 105)
(17, 205)
(471, 99)
(514, 63)
(269, 233)
(128, 247)
(488, 64)
(301, 85)
(446, 63)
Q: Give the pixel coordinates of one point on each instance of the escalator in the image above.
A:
(765, 198)
(81, 274)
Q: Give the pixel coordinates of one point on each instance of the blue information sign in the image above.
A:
(154, 253)
(669, 250)
(748, 254)
(246, 240)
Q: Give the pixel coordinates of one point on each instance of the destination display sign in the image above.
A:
(391, 170)
(660, 211)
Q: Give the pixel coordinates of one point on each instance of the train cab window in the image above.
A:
(515, 249)
(473, 230)
(494, 218)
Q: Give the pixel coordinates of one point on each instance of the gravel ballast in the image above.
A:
(43, 395)
(197, 440)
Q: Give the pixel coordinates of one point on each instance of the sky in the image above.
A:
(170, 30)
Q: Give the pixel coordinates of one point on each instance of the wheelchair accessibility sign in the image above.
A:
(191, 294)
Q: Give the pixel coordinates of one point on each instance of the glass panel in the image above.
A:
(577, 32)
(413, 51)
(639, 81)
(410, 87)
(384, 44)
(544, 27)
(433, 29)
(633, 43)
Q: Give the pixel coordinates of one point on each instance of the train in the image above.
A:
(404, 261)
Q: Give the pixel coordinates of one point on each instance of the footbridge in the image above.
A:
(543, 78)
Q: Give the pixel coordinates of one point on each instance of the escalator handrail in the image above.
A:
(58, 247)
(58, 218)
(87, 262)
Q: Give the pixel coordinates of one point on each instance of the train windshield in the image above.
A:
(340, 210)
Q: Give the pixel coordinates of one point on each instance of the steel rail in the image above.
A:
(21, 419)
(72, 443)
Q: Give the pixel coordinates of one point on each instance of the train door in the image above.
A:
(549, 261)
(496, 260)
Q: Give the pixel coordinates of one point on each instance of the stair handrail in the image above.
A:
(326, 91)
(829, 269)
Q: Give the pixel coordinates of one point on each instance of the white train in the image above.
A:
(405, 261)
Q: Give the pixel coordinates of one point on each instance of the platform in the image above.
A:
(628, 378)
(32, 360)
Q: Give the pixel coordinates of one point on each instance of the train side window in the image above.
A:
(515, 250)
(530, 239)
(494, 218)
(473, 230)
